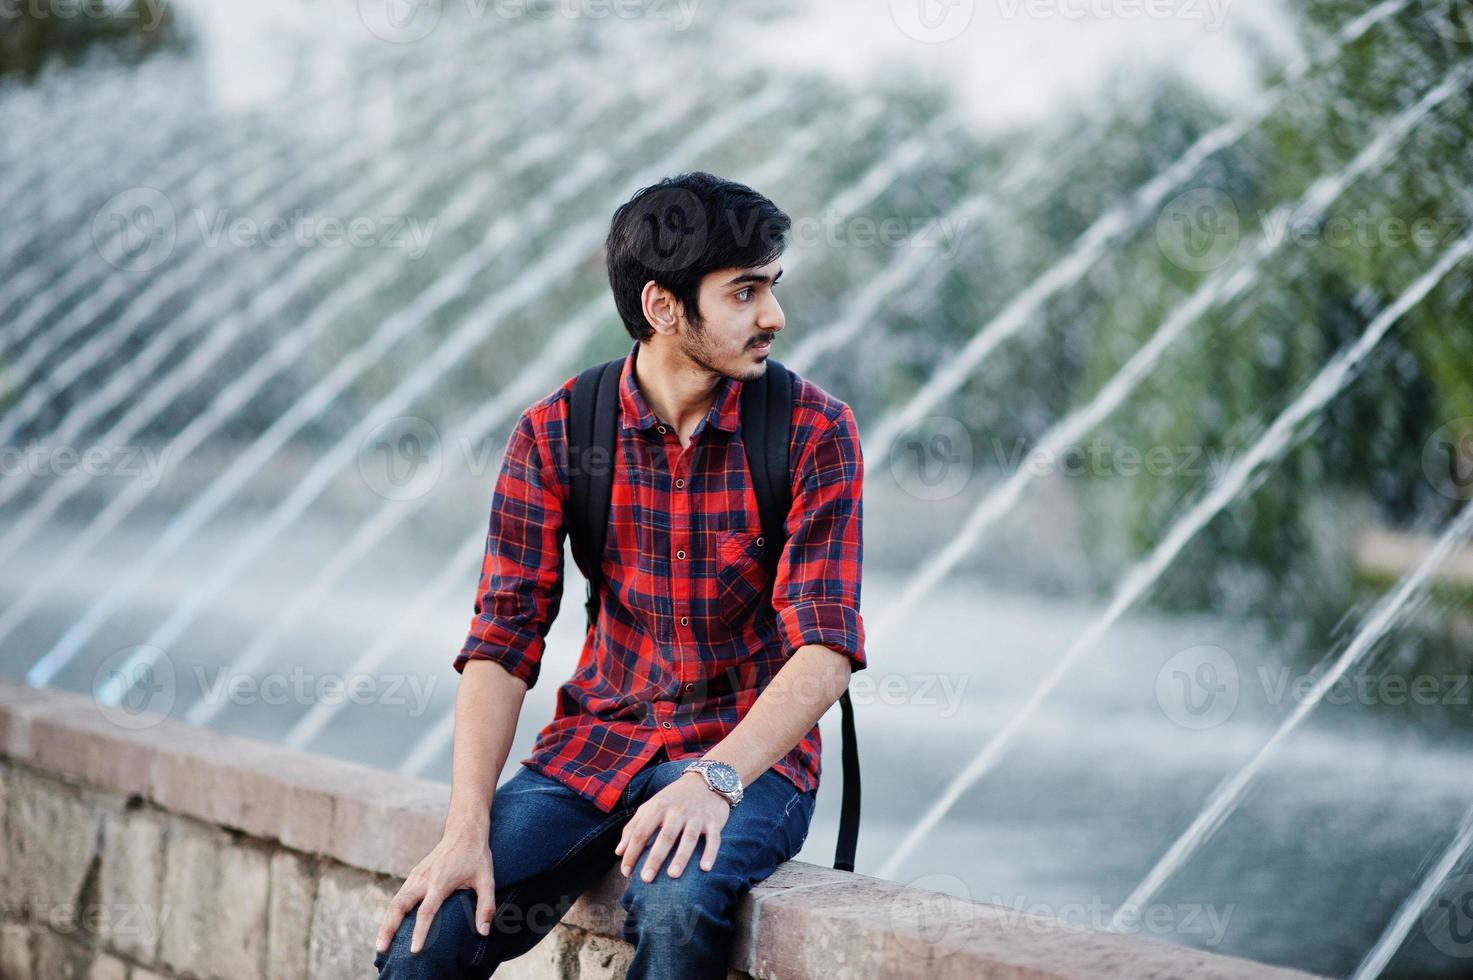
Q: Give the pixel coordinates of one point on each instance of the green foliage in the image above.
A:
(34, 33)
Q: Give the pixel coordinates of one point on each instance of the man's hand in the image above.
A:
(683, 811)
(460, 860)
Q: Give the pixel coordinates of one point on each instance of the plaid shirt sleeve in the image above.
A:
(816, 593)
(521, 582)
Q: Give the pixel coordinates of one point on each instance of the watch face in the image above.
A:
(725, 778)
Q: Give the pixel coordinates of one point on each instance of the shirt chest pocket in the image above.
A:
(741, 577)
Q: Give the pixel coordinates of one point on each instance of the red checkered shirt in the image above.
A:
(684, 641)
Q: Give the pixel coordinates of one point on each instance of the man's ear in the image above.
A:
(661, 310)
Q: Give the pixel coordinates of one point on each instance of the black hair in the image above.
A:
(683, 228)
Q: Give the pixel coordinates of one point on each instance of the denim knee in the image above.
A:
(449, 946)
(675, 911)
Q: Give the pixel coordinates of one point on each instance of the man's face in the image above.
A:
(740, 316)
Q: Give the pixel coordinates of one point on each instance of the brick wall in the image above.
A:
(167, 851)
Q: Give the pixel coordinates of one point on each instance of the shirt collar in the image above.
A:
(635, 412)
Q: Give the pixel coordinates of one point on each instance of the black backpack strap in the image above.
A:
(593, 420)
(766, 431)
(849, 804)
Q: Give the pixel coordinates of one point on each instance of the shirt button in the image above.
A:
(690, 687)
(759, 541)
(680, 555)
(684, 620)
(661, 428)
(668, 725)
(679, 484)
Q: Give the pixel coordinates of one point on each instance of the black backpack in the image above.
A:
(766, 408)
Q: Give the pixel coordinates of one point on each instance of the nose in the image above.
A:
(771, 317)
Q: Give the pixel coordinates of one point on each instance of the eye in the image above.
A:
(744, 294)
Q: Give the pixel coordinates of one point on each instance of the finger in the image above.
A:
(666, 840)
(398, 908)
(713, 844)
(631, 846)
(688, 842)
(485, 903)
(635, 824)
(427, 910)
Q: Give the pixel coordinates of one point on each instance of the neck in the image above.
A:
(678, 390)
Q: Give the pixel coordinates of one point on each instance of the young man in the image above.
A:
(689, 658)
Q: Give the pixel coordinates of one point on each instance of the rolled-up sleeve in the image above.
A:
(521, 581)
(816, 592)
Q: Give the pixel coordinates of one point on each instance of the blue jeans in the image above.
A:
(549, 845)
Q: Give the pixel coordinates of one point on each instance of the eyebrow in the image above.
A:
(754, 277)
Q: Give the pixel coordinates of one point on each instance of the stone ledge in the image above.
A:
(804, 921)
(365, 817)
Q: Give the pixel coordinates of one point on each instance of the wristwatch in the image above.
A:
(721, 777)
